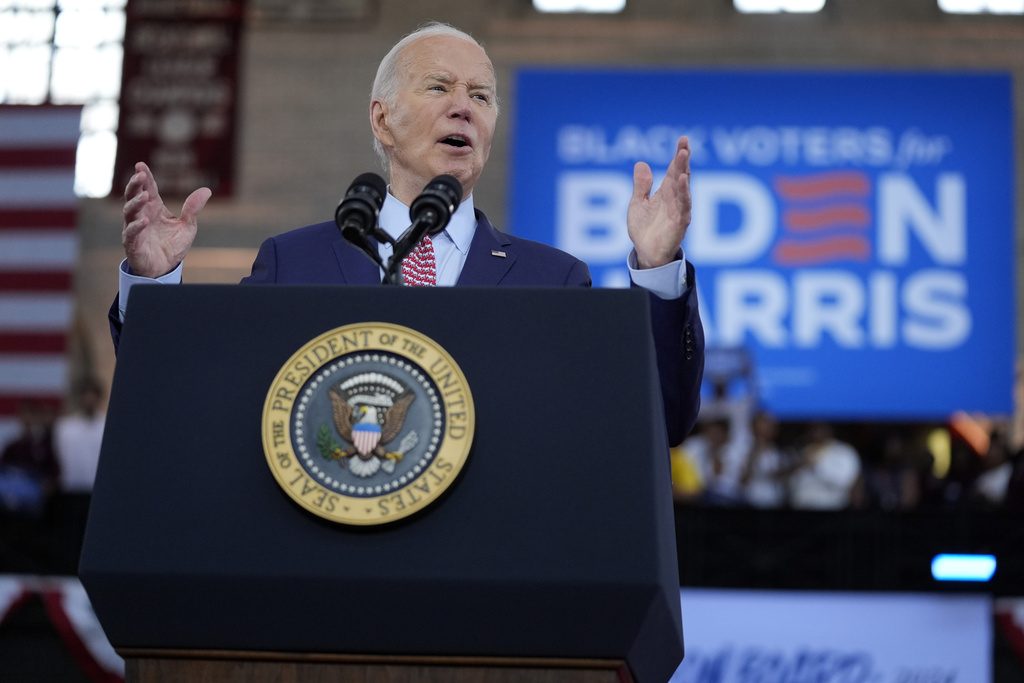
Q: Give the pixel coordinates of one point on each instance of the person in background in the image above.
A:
(716, 458)
(1014, 499)
(825, 472)
(77, 438)
(762, 478)
(686, 479)
(996, 469)
(1015, 486)
(29, 469)
(890, 480)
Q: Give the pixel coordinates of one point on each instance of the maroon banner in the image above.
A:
(179, 94)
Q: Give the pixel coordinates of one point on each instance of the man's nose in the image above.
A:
(460, 105)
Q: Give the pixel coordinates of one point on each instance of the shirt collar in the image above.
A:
(394, 220)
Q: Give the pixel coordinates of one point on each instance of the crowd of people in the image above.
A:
(741, 455)
(741, 458)
(52, 453)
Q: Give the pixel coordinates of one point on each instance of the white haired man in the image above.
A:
(433, 111)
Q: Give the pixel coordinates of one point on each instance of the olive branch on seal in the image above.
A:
(329, 448)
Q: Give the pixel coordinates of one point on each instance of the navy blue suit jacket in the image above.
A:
(317, 254)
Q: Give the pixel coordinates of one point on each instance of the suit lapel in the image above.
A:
(489, 258)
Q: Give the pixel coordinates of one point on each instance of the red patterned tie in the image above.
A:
(419, 268)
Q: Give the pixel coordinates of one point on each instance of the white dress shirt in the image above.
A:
(451, 246)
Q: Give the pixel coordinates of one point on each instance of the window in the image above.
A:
(982, 6)
(591, 6)
(68, 52)
(775, 6)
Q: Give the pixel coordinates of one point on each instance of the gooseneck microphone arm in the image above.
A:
(430, 213)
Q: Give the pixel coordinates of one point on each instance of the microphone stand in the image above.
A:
(388, 277)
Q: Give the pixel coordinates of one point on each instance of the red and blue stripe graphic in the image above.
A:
(825, 219)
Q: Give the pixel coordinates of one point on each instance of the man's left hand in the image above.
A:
(657, 224)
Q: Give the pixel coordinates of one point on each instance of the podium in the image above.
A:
(551, 557)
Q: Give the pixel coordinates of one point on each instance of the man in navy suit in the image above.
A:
(433, 111)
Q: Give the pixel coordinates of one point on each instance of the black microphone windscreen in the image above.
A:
(450, 186)
(436, 204)
(362, 202)
(370, 181)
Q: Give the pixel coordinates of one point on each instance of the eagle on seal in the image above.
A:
(368, 428)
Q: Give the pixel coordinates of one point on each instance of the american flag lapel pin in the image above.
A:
(499, 254)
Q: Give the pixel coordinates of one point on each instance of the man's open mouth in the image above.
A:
(455, 141)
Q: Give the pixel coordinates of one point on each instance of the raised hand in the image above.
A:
(155, 240)
(657, 224)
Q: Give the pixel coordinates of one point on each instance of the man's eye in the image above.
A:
(482, 97)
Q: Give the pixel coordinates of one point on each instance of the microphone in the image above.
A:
(436, 203)
(356, 215)
(430, 213)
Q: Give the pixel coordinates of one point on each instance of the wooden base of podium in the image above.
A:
(245, 667)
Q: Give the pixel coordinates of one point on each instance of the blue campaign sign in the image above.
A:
(853, 231)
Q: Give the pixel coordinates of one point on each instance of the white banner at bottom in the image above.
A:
(742, 636)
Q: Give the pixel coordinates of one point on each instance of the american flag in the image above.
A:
(38, 252)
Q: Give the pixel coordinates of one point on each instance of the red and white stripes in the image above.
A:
(71, 614)
(38, 252)
(419, 269)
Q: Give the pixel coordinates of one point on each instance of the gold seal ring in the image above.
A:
(368, 423)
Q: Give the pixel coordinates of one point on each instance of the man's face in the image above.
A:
(443, 118)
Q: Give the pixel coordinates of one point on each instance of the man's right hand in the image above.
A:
(155, 240)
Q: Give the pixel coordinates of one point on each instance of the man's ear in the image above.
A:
(379, 117)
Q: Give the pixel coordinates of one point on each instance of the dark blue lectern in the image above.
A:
(553, 552)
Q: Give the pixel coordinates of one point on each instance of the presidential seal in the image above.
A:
(368, 423)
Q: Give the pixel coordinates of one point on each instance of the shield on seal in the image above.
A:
(365, 437)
